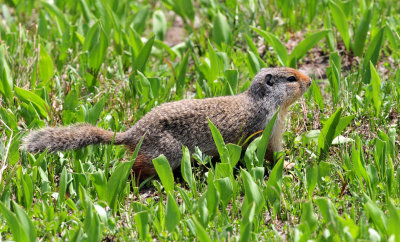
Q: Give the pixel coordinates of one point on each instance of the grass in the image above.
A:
(109, 62)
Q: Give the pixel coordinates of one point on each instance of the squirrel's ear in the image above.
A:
(268, 80)
(258, 90)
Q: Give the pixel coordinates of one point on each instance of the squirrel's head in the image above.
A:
(281, 86)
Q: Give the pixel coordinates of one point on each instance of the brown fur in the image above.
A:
(171, 125)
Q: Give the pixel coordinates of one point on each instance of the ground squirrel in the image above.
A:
(171, 125)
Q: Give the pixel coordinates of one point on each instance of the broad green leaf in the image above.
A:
(225, 190)
(372, 54)
(187, 8)
(63, 187)
(317, 96)
(134, 41)
(376, 89)
(202, 208)
(358, 166)
(164, 172)
(233, 78)
(6, 81)
(252, 192)
(186, 167)
(38, 102)
(221, 31)
(328, 212)
(14, 224)
(61, 19)
(143, 56)
(312, 179)
(262, 145)
(212, 196)
(100, 183)
(118, 178)
(361, 33)
(276, 44)
(253, 63)
(181, 75)
(93, 114)
(274, 183)
(46, 67)
(159, 24)
(28, 190)
(201, 233)
(144, 88)
(340, 20)
(219, 142)
(96, 44)
(308, 217)
(378, 217)
(26, 223)
(214, 64)
(248, 214)
(92, 225)
(140, 18)
(225, 170)
(235, 152)
(142, 224)
(343, 123)
(328, 133)
(172, 214)
(393, 224)
(9, 118)
(305, 45)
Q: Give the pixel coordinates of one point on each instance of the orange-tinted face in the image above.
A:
(281, 86)
(296, 88)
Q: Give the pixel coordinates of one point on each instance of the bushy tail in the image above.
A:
(68, 138)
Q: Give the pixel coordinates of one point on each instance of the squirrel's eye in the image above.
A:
(291, 79)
